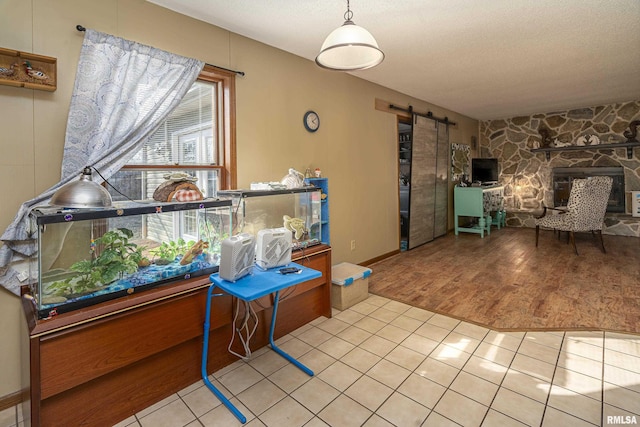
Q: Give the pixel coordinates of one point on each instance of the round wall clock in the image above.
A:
(311, 121)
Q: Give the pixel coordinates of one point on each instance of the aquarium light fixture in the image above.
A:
(83, 193)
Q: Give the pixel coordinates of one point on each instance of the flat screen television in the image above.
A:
(484, 170)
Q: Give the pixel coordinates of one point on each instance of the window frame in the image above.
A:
(226, 129)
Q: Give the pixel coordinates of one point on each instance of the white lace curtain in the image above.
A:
(123, 91)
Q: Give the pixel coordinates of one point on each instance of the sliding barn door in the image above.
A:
(423, 181)
(442, 181)
(429, 199)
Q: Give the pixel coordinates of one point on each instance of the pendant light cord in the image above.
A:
(348, 15)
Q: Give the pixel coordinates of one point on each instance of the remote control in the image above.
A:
(290, 270)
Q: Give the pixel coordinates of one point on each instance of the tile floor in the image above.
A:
(384, 363)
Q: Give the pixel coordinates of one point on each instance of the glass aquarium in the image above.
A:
(87, 256)
(298, 210)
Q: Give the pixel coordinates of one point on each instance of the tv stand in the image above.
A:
(480, 203)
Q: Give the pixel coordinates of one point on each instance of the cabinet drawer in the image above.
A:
(82, 353)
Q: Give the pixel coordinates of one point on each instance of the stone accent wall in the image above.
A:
(527, 176)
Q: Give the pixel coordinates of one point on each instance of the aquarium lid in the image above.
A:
(54, 214)
(256, 193)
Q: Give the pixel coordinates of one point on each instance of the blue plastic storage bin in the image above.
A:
(349, 285)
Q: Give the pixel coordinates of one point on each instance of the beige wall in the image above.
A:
(355, 146)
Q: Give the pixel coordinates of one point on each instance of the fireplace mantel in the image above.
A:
(628, 145)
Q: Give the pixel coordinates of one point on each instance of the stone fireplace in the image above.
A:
(532, 180)
(563, 177)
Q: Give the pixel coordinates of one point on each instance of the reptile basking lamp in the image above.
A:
(83, 193)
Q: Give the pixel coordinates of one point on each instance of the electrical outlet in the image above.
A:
(353, 245)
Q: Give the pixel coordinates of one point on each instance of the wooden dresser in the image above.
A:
(99, 365)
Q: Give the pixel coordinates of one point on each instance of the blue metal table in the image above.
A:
(249, 288)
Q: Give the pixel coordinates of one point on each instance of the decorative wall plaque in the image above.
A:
(28, 70)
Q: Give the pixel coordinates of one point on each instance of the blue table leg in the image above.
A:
(205, 353)
(275, 348)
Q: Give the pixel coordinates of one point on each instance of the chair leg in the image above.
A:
(572, 238)
(601, 242)
(537, 233)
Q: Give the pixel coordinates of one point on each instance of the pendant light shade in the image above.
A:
(349, 47)
(83, 193)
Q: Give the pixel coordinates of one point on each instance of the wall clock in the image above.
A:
(311, 121)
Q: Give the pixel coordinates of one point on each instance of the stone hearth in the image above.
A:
(527, 176)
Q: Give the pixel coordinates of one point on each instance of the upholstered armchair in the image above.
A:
(585, 210)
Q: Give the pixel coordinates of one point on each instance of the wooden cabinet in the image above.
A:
(99, 365)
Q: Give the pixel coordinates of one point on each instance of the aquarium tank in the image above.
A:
(88, 256)
(296, 209)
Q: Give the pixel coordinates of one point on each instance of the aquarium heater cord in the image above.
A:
(283, 296)
(114, 188)
(249, 314)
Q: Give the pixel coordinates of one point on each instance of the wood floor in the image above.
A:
(504, 282)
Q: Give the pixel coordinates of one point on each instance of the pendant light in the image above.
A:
(349, 48)
(83, 193)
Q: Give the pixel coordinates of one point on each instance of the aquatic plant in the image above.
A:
(213, 228)
(116, 257)
(137, 255)
(168, 251)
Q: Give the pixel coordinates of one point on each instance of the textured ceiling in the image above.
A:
(484, 59)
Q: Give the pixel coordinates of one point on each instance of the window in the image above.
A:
(197, 138)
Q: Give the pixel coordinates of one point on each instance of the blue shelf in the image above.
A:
(323, 185)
